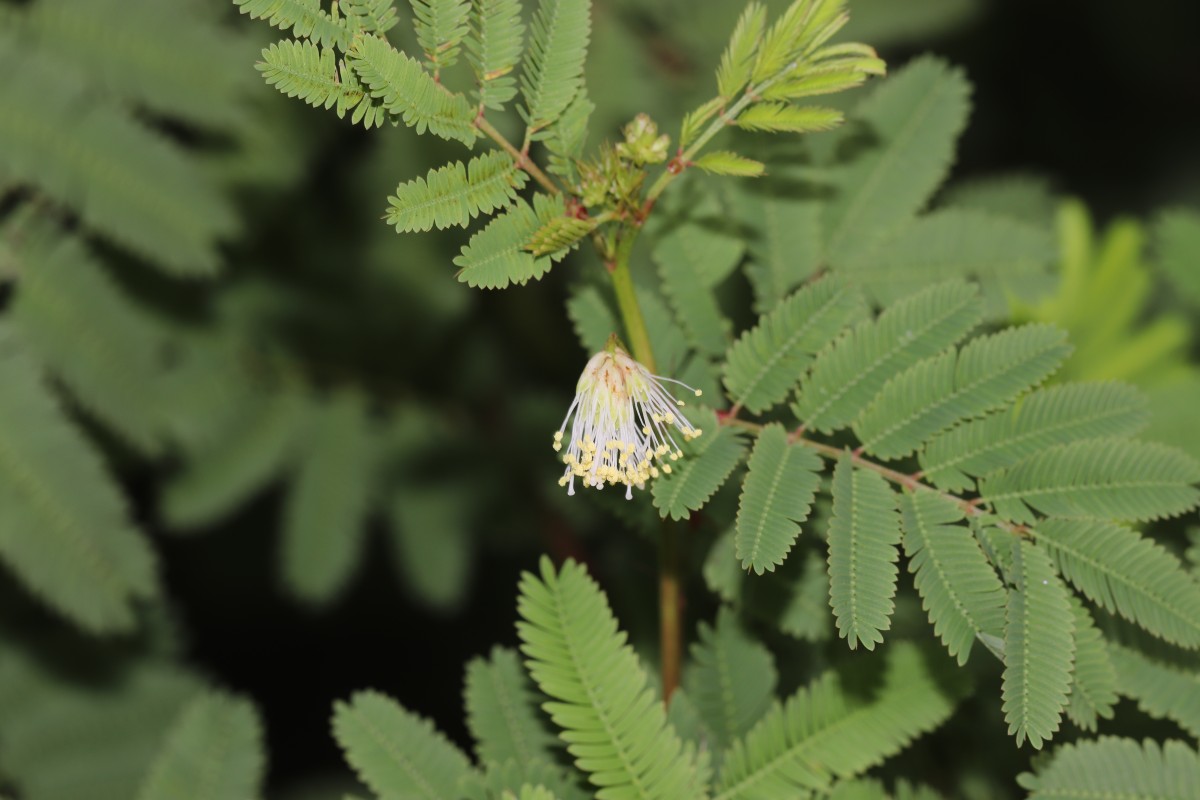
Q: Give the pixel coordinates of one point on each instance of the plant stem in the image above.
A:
(523, 160)
(670, 594)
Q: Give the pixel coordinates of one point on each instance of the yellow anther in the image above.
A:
(666, 468)
(699, 393)
(646, 429)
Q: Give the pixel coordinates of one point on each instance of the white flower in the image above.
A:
(624, 422)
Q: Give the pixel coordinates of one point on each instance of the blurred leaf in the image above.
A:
(431, 534)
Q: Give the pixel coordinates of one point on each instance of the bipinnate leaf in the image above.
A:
(311, 73)
(502, 711)
(730, 680)
(456, 194)
(213, 752)
(767, 362)
(407, 90)
(493, 49)
(324, 516)
(64, 530)
(781, 482)
(1043, 418)
(915, 116)
(373, 16)
(1094, 681)
(959, 589)
(552, 71)
(395, 752)
(932, 395)
(496, 256)
(558, 235)
(692, 260)
(723, 162)
(1127, 480)
(441, 26)
(707, 462)
(1160, 689)
(1123, 572)
(834, 728)
(614, 724)
(1117, 768)
(864, 535)
(304, 18)
(848, 376)
(1039, 647)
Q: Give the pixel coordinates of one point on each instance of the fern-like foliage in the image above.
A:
(502, 711)
(846, 378)
(864, 535)
(731, 680)
(1160, 689)
(441, 27)
(213, 752)
(311, 73)
(834, 729)
(304, 18)
(959, 588)
(493, 49)
(454, 194)
(781, 482)
(1114, 767)
(708, 461)
(553, 68)
(934, 394)
(1119, 570)
(408, 91)
(613, 723)
(1044, 418)
(1039, 647)
(395, 752)
(766, 363)
(1097, 478)
(373, 16)
(64, 529)
(738, 60)
(1094, 681)
(692, 259)
(783, 118)
(497, 256)
(324, 517)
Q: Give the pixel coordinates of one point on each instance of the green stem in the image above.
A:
(521, 157)
(627, 303)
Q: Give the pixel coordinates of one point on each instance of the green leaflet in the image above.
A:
(1161, 690)
(722, 574)
(959, 589)
(932, 395)
(706, 464)
(1177, 236)
(1094, 682)
(310, 73)
(1121, 571)
(730, 680)
(496, 256)
(441, 27)
(405, 89)
(373, 16)
(565, 139)
(781, 482)
(552, 71)
(724, 162)
(767, 361)
(614, 724)
(1113, 767)
(105, 347)
(395, 752)
(828, 731)
(1039, 647)
(511, 776)
(558, 235)
(918, 114)
(1126, 480)
(454, 194)
(692, 260)
(1020, 196)
(784, 251)
(738, 59)
(213, 752)
(864, 535)
(430, 531)
(246, 456)
(64, 529)
(127, 182)
(592, 317)
(804, 612)
(1000, 252)
(503, 713)
(1043, 418)
(324, 515)
(784, 118)
(848, 376)
(493, 49)
(304, 18)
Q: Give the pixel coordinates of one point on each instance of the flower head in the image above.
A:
(623, 424)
